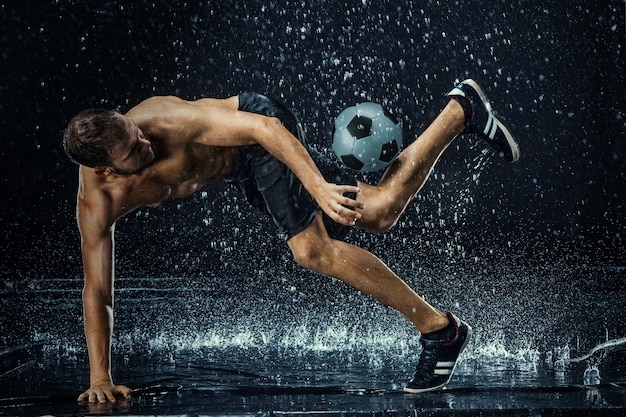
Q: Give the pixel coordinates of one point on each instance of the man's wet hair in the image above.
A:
(91, 135)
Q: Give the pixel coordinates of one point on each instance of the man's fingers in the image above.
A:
(340, 207)
(345, 221)
(345, 216)
(110, 397)
(105, 396)
(349, 189)
(125, 391)
(343, 208)
(347, 201)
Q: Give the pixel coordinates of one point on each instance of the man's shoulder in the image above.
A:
(155, 105)
(173, 119)
(157, 116)
(166, 104)
(102, 196)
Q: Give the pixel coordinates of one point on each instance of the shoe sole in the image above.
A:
(441, 386)
(507, 134)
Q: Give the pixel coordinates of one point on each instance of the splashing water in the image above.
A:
(602, 346)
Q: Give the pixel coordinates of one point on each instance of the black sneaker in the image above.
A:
(438, 359)
(483, 122)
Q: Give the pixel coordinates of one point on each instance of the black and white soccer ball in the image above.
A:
(367, 137)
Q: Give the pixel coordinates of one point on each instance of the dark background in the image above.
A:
(554, 70)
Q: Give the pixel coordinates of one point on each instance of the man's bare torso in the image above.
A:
(180, 167)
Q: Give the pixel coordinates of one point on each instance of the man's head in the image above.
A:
(106, 141)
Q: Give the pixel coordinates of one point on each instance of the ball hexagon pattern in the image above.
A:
(367, 137)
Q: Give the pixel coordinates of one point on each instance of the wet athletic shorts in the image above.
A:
(273, 188)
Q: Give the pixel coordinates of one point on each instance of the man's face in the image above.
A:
(134, 153)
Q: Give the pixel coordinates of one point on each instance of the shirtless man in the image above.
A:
(166, 147)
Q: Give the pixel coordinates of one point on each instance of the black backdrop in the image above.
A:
(555, 71)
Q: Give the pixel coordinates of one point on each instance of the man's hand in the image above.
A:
(106, 392)
(331, 199)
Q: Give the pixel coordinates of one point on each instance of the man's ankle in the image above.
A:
(444, 332)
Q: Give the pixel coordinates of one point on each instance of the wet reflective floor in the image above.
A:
(249, 382)
(202, 346)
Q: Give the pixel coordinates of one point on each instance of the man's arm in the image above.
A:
(276, 139)
(96, 229)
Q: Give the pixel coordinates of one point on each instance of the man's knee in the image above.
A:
(381, 220)
(312, 251)
(308, 255)
(382, 210)
(386, 223)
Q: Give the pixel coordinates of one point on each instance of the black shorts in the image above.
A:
(273, 188)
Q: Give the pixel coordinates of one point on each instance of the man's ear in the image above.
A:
(102, 171)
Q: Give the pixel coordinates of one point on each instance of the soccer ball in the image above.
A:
(366, 137)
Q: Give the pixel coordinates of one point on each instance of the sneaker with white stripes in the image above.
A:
(483, 122)
(438, 359)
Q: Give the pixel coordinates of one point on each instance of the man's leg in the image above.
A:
(444, 336)
(469, 111)
(385, 202)
(315, 250)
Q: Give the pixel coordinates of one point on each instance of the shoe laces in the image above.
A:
(428, 360)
